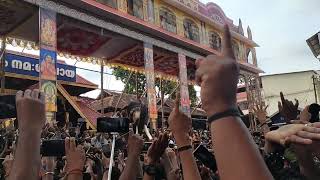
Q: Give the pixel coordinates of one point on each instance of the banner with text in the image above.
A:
(29, 66)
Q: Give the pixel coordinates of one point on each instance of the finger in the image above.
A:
(176, 104)
(19, 95)
(72, 144)
(67, 145)
(316, 124)
(198, 62)
(27, 93)
(308, 135)
(279, 106)
(282, 98)
(297, 103)
(35, 94)
(311, 129)
(42, 97)
(266, 107)
(227, 49)
(254, 108)
(198, 77)
(298, 122)
(299, 140)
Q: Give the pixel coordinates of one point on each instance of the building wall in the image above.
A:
(297, 85)
(204, 28)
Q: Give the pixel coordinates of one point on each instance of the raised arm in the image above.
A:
(135, 145)
(180, 125)
(233, 144)
(31, 117)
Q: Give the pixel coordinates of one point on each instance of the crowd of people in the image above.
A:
(290, 152)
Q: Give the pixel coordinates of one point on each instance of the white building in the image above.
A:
(303, 86)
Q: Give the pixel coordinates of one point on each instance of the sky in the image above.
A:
(281, 28)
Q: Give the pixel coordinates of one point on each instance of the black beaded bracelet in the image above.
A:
(227, 113)
(184, 148)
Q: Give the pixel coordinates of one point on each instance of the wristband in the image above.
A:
(184, 148)
(47, 173)
(230, 112)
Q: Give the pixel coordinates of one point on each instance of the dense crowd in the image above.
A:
(289, 152)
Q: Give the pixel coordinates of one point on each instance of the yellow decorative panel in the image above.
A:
(156, 12)
(122, 6)
(145, 10)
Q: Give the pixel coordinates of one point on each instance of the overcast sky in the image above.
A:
(281, 28)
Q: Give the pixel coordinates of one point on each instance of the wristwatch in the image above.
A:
(150, 169)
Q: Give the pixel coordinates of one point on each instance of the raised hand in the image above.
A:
(7, 164)
(304, 117)
(157, 148)
(295, 133)
(135, 145)
(180, 125)
(261, 113)
(287, 109)
(218, 78)
(30, 110)
(75, 156)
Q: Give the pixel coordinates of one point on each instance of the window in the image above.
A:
(191, 30)
(111, 3)
(135, 8)
(168, 20)
(249, 57)
(215, 41)
(236, 49)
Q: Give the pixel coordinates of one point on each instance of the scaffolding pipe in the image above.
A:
(116, 107)
(101, 94)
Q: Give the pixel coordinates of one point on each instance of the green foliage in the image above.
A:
(137, 83)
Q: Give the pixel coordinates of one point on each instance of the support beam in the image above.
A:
(151, 92)
(2, 64)
(184, 91)
(102, 92)
(48, 61)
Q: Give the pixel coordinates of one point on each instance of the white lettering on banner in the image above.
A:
(66, 73)
(27, 66)
(60, 72)
(16, 64)
(70, 73)
(37, 67)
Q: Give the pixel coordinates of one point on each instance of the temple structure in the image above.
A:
(161, 38)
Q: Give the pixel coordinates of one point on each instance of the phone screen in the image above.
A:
(53, 148)
(206, 157)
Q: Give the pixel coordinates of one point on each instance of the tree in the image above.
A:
(137, 84)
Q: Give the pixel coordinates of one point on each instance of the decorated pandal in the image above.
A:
(161, 38)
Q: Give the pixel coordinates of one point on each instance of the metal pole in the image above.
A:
(2, 63)
(112, 156)
(195, 108)
(137, 85)
(102, 92)
(174, 90)
(115, 109)
(314, 89)
(162, 98)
